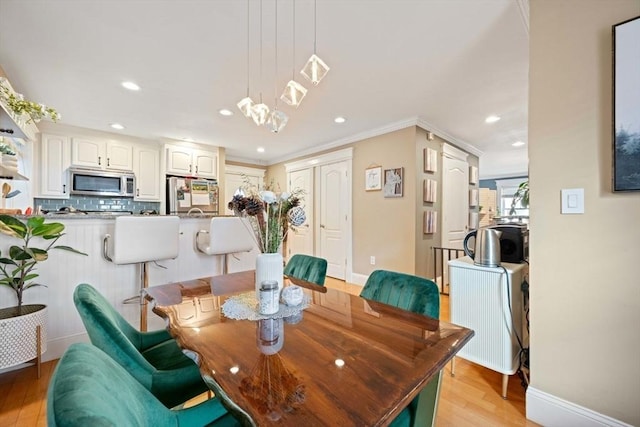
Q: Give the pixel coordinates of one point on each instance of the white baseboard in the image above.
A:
(57, 347)
(359, 279)
(55, 350)
(551, 411)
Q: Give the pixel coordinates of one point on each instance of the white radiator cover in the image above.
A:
(478, 300)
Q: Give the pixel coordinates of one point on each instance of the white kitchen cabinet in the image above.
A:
(192, 162)
(146, 167)
(206, 163)
(109, 155)
(54, 168)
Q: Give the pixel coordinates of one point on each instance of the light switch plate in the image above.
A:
(573, 201)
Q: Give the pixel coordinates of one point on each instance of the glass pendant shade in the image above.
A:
(277, 121)
(315, 69)
(245, 105)
(259, 113)
(293, 93)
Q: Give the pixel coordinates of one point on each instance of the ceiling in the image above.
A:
(442, 64)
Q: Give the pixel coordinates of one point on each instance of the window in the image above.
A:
(506, 189)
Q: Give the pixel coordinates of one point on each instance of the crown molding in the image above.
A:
(449, 138)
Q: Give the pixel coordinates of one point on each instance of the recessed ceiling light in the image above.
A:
(491, 119)
(117, 126)
(340, 119)
(225, 112)
(518, 144)
(260, 149)
(130, 86)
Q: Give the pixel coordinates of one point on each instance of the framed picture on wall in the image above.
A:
(393, 182)
(373, 178)
(430, 222)
(429, 191)
(430, 160)
(473, 197)
(626, 104)
(473, 220)
(473, 175)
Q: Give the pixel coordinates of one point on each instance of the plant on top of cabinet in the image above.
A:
(19, 105)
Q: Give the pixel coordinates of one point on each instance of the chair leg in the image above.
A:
(453, 366)
(428, 402)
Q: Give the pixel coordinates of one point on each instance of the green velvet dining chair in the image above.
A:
(88, 388)
(308, 268)
(152, 358)
(418, 295)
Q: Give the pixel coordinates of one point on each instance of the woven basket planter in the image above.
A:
(18, 336)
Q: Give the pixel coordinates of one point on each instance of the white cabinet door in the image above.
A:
(192, 162)
(119, 156)
(206, 163)
(87, 153)
(147, 170)
(179, 160)
(112, 155)
(55, 161)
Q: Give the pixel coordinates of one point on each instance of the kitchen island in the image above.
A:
(63, 272)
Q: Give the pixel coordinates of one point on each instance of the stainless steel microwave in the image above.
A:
(89, 182)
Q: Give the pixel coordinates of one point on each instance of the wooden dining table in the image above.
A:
(341, 361)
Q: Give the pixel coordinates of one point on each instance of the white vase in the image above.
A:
(269, 267)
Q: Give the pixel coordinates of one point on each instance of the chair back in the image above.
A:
(305, 267)
(418, 295)
(110, 332)
(411, 293)
(88, 388)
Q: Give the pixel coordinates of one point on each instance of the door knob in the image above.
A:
(321, 225)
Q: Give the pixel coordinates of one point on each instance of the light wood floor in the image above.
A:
(471, 398)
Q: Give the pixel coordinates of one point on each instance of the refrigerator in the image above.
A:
(191, 195)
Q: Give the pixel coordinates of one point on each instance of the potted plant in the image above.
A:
(22, 333)
(20, 106)
(522, 196)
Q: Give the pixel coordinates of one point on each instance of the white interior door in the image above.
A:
(455, 196)
(300, 239)
(239, 176)
(333, 207)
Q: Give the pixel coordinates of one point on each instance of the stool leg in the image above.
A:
(143, 301)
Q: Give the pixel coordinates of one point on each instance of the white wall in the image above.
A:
(585, 283)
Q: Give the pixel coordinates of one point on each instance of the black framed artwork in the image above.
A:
(626, 105)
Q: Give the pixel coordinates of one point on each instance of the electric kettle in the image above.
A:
(487, 248)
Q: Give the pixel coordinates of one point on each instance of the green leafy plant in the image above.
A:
(520, 196)
(17, 270)
(19, 105)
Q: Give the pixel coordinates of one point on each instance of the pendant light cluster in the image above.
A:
(314, 70)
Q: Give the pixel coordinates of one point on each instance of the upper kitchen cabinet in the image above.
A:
(146, 167)
(101, 155)
(54, 170)
(192, 161)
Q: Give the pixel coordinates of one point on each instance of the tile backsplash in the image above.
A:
(90, 203)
